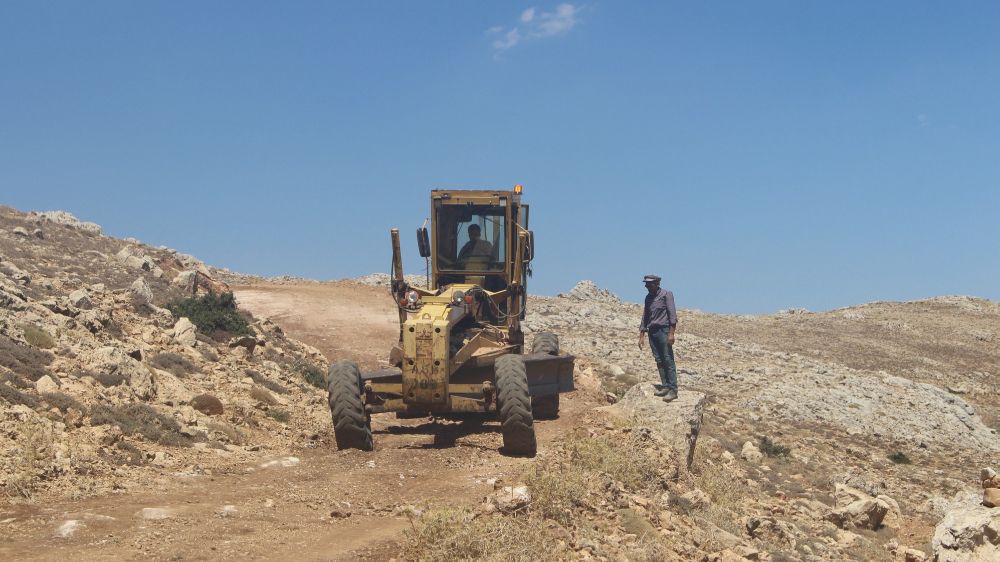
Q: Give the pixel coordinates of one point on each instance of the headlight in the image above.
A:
(412, 297)
(458, 298)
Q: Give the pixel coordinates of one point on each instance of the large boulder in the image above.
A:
(133, 257)
(115, 361)
(860, 510)
(140, 294)
(677, 422)
(184, 332)
(968, 534)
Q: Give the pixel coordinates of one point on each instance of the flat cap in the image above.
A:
(651, 279)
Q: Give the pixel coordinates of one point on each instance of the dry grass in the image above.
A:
(582, 471)
(558, 483)
(32, 460)
(279, 415)
(26, 361)
(263, 396)
(727, 494)
(14, 380)
(176, 364)
(140, 419)
(63, 402)
(106, 380)
(14, 396)
(37, 337)
(452, 535)
(266, 382)
(225, 433)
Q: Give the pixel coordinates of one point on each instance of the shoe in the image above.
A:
(670, 396)
(662, 392)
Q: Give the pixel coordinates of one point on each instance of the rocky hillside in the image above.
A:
(99, 381)
(809, 413)
(866, 433)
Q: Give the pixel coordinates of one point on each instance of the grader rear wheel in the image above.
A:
(514, 405)
(545, 407)
(351, 424)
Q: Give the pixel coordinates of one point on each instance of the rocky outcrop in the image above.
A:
(114, 361)
(856, 509)
(968, 534)
(67, 219)
(678, 422)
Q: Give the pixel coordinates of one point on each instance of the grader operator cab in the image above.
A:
(461, 348)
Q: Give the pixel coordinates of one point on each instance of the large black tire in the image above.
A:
(545, 407)
(546, 342)
(514, 406)
(351, 424)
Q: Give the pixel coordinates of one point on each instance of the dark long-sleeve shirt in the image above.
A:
(659, 311)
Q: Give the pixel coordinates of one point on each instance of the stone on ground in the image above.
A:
(677, 422)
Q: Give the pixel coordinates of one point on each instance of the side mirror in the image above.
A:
(423, 242)
(529, 246)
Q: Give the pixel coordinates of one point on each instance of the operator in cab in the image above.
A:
(476, 247)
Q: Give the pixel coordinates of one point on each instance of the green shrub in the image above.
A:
(213, 314)
(179, 365)
(37, 337)
(313, 375)
(140, 419)
(772, 448)
(899, 457)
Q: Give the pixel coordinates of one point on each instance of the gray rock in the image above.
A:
(46, 384)
(677, 422)
(140, 293)
(113, 360)
(968, 534)
(21, 231)
(80, 298)
(185, 332)
(859, 510)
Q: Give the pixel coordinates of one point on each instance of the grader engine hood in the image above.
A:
(426, 352)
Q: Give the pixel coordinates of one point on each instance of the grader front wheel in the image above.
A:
(351, 424)
(514, 405)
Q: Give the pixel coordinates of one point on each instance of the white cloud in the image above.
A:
(560, 21)
(537, 25)
(510, 39)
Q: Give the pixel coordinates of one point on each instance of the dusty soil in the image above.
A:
(315, 503)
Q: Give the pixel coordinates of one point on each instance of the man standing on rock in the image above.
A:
(659, 318)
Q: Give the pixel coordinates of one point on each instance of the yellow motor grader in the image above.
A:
(461, 348)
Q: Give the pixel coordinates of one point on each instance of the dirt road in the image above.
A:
(316, 503)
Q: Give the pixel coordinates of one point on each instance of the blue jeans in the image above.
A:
(663, 353)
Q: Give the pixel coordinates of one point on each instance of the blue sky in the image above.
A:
(758, 155)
